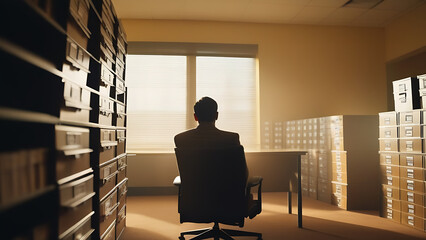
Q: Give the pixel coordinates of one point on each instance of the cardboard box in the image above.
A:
(411, 145)
(389, 159)
(339, 188)
(340, 201)
(392, 214)
(391, 181)
(412, 160)
(414, 209)
(392, 203)
(390, 170)
(413, 221)
(388, 132)
(406, 94)
(413, 173)
(410, 131)
(413, 197)
(388, 119)
(389, 145)
(412, 185)
(410, 117)
(390, 192)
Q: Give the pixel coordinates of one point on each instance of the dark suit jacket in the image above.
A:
(206, 136)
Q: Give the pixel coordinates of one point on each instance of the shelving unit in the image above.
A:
(340, 167)
(63, 65)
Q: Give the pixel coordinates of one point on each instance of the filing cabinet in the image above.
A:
(66, 72)
(335, 144)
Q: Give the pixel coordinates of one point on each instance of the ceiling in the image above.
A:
(370, 13)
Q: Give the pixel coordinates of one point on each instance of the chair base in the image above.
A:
(217, 233)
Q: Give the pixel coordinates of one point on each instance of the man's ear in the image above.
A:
(195, 117)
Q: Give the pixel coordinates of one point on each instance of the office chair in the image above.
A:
(213, 189)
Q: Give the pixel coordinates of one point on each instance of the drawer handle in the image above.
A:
(77, 152)
(121, 218)
(122, 167)
(111, 211)
(77, 106)
(107, 179)
(80, 201)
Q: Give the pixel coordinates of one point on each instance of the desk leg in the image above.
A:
(299, 192)
(289, 202)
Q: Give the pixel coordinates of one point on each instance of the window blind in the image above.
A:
(156, 101)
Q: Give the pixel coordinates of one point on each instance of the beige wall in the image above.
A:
(406, 34)
(305, 71)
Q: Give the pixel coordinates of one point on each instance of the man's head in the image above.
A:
(205, 110)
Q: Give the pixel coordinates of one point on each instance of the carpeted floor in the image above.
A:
(156, 218)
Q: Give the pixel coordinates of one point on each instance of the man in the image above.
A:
(206, 135)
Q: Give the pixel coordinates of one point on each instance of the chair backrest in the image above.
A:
(213, 185)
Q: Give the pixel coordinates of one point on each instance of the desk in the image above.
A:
(284, 155)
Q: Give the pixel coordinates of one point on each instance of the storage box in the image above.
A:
(391, 192)
(390, 170)
(107, 177)
(79, 10)
(414, 209)
(119, 69)
(121, 90)
(413, 197)
(75, 202)
(412, 185)
(413, 221)
(406, 94)
(389, 145)
(76, 67)
(389, 158)
(106, 81)
(108, 211)
(411, 131)
(390, 180)
(339, 188)
(388, 119)
(411, 117)
(340, 201)
(392, 203)
(77, 32)
(411, 145)
(413, 173)
(412, 160)
(107, 40)
(76, 103)
(388, 132)
(391, 214)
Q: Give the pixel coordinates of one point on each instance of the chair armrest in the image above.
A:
(254, 181)
(176, 181)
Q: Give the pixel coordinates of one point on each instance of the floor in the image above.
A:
(156, 218)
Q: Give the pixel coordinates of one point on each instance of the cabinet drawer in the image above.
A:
(412, 185)
(390, 170)
(388, 132)
(392, 203)
(389, 159)
(340, 177)
(414, 209)
(107, 19)
(107, 178)
(392, 214)
(119, 69)
(413, 173)
(413, 221)
(70, 138)
(78, 33)
(340, 201)
(76, 105)
(410, 131)
(122, 173)
(109, 233)
(107, 39)
(76, 203)
(121, 139)
(411, 145)
(406, 94)
(107, 56)
(108, 211)
(76, 66)
(389, 145)
(410, 117)
(120, 90)
(390, 180)
(71, 162)
(388, 119)
(339, 189)
(82, 230)
(121, 222)
(108, 145)
(412, 160)
(79, 10)
(413, 197)
(122, 193)
(106, 110)
(121, 115)
(390, 192)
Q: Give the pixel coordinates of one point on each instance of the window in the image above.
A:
(160, 103)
